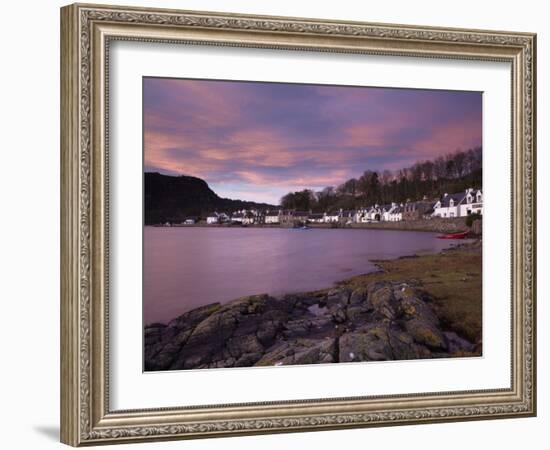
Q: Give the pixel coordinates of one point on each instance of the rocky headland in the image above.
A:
(370, 319)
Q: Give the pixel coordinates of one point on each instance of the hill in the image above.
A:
(173, 198)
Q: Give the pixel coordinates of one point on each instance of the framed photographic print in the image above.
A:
(274, 224)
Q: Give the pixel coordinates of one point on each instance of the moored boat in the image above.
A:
(461, 235)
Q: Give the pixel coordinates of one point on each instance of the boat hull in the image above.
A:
(461, 235)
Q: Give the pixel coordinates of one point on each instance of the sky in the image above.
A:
(258, 141)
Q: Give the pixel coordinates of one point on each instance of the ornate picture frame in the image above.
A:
(86, 34)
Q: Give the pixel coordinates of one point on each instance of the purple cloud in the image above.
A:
(257, 141)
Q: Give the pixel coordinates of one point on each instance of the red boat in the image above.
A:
(460, 235)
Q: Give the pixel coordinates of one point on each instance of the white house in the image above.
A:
(395, 214)
(272, 217)
(237, 217)
(459, 205)
(375, 213)
(448, 205)
(361, 216)
(223, 217)
(213, 219)
(386, 211)
(472, 204)
(248, 218)
(332, 217)
(316, 218)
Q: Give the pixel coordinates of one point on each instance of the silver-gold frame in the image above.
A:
(86, 33)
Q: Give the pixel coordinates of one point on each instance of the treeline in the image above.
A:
(452, 173)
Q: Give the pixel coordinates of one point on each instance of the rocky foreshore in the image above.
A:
(383, 320)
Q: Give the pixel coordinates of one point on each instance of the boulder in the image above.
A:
(382, 299)
(368, 345)
(426, 333)
(300, 351)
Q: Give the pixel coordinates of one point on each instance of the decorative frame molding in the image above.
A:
(86, 31)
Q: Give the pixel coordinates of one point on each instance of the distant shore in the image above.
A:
(415, 307)
(434, 225)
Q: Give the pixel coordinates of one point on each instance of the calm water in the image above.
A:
(188, 267)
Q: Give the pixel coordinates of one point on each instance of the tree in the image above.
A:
(459, 159)
(369, 185)
(440, 167)
(349, 187)
(302, 200)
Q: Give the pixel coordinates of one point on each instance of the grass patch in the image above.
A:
(452, 278)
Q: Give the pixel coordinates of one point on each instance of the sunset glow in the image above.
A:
(258, 141)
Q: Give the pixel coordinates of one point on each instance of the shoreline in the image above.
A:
(434, 225)
(445, 320)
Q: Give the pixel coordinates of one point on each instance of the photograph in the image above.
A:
(296, 224)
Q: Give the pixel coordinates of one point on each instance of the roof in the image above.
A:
(458, 198)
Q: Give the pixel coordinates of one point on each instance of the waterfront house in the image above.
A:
(191, 221)
(472, 204)
(316, 218)
(395, 214)
(386, 211)
(460, 204)
(292, 217)
(332, 217)
(249, 218)
(272, 217)
(212, 219)
(361, 215)
(237, 217)
(448, 205)
(223, 218)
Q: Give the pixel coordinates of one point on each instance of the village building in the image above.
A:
(211, 220)
(332, 217)
(292, 217)
(347, 217)
(375, 213)
(472, 204)
(395, 214)
(237, 217)
(316, 218)
(272, 217)
(259, 217)
(386, 211)
(417, 210)
(249, 218)
(361, 216)
(216, 218)
(459, 205)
